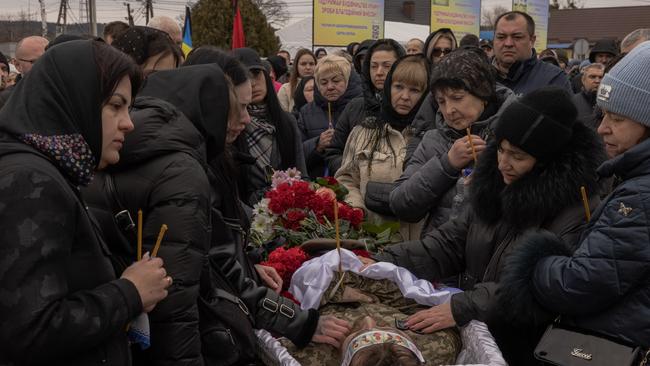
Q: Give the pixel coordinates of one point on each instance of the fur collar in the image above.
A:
(552, 185)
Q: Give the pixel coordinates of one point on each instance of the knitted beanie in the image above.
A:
(625, 89)
(540, 123)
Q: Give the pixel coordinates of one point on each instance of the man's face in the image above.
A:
(27, 54)
(512, 42)
(591, 79)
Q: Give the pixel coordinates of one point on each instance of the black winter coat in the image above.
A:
(532, 74)
(603, 286)
(586, 103)
(428, 184)
(228, 254)
(313, 120)
(162, 171)
(476, 244)
(62, 304)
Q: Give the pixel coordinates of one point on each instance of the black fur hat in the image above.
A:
(540, 123)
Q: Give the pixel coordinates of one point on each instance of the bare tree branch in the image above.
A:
(490, 16)
(275, 11)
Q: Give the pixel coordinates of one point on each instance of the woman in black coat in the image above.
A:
(62, 303)
(180, 123)
(529, 177)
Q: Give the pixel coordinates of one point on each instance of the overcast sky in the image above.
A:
(109, 10)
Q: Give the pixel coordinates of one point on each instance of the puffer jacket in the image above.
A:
(428, 184)
(228, 254)
(603, 286)
(367, 105)
(62, 304)
(476, 244)
(532, 74)
(313, 120)
(162, 171)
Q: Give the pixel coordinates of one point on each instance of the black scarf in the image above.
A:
(56, 109)
(200, 92)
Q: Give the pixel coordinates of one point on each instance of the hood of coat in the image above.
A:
(632, 163)
(369, 90)
(603, 46)
(433, 35)
(481, 127)
(200, 92)
(160, 128)
(544, 192)
(353, 90)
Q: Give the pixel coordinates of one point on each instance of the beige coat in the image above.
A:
(286, 97)
(386, 168)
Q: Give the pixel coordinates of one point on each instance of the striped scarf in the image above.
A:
(259, 136)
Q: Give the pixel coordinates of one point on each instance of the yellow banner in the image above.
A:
(461, 16)
(339, 22)
(538, 10)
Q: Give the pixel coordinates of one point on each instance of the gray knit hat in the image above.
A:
(625, 89)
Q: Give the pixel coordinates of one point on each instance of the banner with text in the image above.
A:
(339, 22)
(538, 10)
(461, 16)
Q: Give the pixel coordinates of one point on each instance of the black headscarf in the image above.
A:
(388, 113)
(56, 109)
(299, 95)
(279, 65)
(143, 42)
(201, 93)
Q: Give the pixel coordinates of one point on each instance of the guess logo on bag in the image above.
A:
(577, 352)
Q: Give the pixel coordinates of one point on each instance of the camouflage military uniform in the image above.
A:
(440, 347)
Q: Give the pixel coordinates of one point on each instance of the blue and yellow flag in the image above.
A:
(187, 33)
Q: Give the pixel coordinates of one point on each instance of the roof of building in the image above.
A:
(567, 25)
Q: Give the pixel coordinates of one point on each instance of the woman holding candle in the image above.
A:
(603, 286)
(374, 154)
(528, 177)
(464, 87)
(335, 88)
(62, 302)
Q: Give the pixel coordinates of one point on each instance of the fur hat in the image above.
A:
(625, 89)
(465, 68)
(540, 123)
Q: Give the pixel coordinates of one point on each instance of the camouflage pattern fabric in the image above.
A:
(387, 304)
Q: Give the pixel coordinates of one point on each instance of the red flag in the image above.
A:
(238, 40)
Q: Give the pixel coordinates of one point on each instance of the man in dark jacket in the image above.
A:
(585, 101)
(28, 50)
(603, 52)
(380, 57)
(515, 59)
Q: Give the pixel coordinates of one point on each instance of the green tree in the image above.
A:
(212, 25)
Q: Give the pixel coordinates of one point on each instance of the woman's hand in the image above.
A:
(432, 319)
(331, 330)
(150, 279)
(270, 277)
(460, 154)
(325, 140)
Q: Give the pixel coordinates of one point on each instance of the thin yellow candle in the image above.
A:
(471, 144)
(585, 202)
(338, 235)
(329, 115)
(161, 234)
(139, 234)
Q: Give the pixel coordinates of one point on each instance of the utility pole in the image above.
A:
(92, 16)
(61, 20)
(148, 10)
(129, 17)
(43, 19)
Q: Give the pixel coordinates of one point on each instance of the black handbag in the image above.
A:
(563, 345)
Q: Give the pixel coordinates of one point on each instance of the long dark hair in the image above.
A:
(285, 133)
(234, 69)
(113, 65)
(293, 78)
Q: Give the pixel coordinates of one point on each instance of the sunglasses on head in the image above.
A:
(437, 52)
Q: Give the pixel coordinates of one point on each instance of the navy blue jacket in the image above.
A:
(532, 74)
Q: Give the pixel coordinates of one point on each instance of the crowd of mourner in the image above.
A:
(520, 178)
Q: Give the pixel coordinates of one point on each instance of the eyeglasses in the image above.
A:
(437, 52)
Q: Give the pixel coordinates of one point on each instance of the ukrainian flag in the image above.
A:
(187, 33)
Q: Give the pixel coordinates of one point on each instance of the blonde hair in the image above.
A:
(412, 71)
(333, 64)
(441, 34)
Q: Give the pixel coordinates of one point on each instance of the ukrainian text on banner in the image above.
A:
(538, 10)
(339, 22)
(461, 16)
